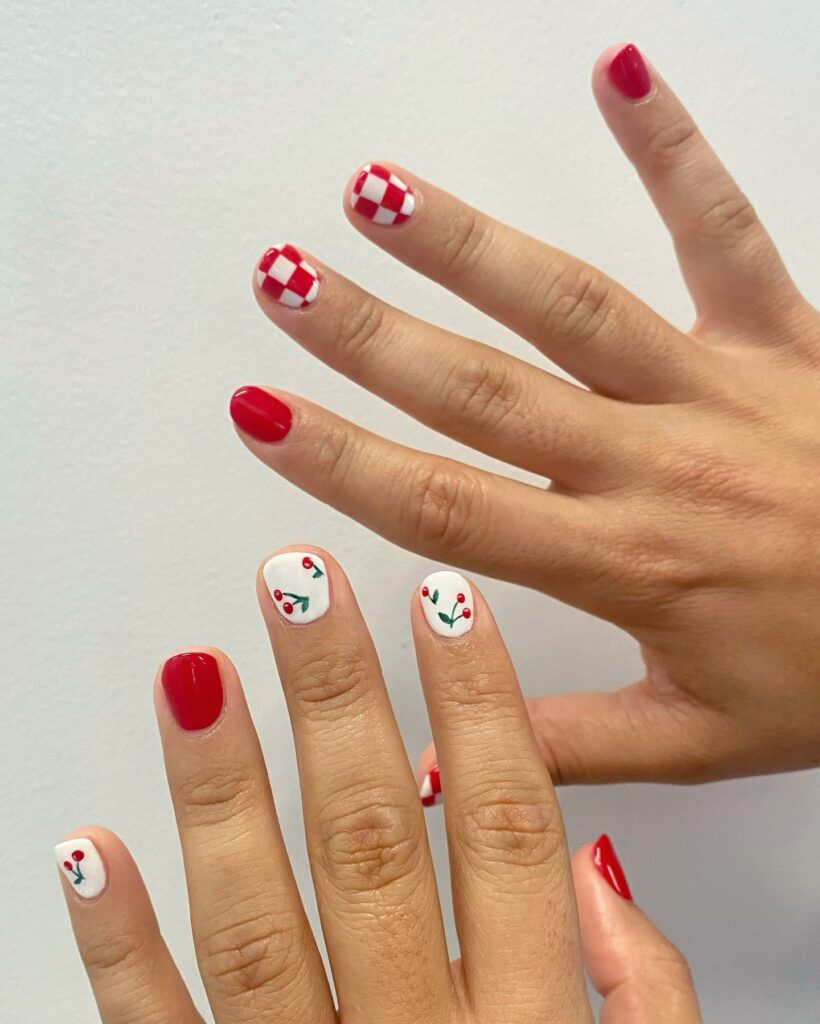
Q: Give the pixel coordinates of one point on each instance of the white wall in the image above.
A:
(149, 152)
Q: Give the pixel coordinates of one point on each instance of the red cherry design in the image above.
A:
(287, 607)
(277, 595)
(78, 855)
(466, 613)
(67, 865)
(460, 598)
(307, 562)
(425, 591)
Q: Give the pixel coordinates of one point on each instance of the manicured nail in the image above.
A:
(447, 601)
(285, 275)
(82, 866)
(609, 867)
(193, 688)
(260, 414)
(297, 581)
(629, 74)
(430, 789)
(381, 196)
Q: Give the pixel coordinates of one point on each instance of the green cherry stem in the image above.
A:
(297, 598)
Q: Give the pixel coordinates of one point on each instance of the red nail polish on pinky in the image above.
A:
(260, 414)
(430, 789)
(609, 867)
(629, 74)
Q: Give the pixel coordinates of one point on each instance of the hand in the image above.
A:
(521, 951)
(685, 496)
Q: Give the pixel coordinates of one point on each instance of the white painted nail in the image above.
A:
(297, 581)
(82, 866)
(447, 601)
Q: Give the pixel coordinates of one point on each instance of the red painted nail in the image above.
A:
(629, 74)
(430, 788)
(381, 196)
(285, 275)
(260, 414)
(609, 867)
(193, 688)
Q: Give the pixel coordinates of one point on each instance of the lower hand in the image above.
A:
(521, 946)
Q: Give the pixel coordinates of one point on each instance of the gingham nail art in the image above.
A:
(297, 581)
(285, 275)
(447, 601)
(381, 196)
(430, 789)
(82, 866)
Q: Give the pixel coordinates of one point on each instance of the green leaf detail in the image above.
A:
(305, 602)
(317, 572)
(445, 618)
(434, 598)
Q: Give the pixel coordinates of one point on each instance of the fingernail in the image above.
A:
(260, 414)
(609, 867)
(381, 196)
(82, 866)
(447, 601)
(297, 581)
(430, 789)
(285, 275)
(629, 74)
(193, 689)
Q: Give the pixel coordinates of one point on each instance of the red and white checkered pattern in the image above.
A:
(381, 196)
(431, 787)
(286, 276)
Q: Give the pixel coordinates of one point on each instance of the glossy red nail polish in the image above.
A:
(260, 414)
(193, 689)
(629, 74)
(430, 790)
(609, 867)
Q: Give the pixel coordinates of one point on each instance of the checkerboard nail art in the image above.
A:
(297, 582)
(82, 866)
(447, 602)
(381, 196)
(430, 789)
(285, 275)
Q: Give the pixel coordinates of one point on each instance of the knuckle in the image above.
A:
(120, 955)
(481, 392)
(263, 951)
(444, 505)
(518, 833)
(371, 848)
(730, 216)
(668, 144)
(576, 307)
(330, 683)
(332, 453)
(216, 794)
(358, 329)
(464, 242)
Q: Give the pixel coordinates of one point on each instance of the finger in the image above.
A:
(483, 397)
(509, 865)
(436, 506)
(130, 969)
(730, 263)
(372, 871)
(255, 950)
(643, 978)
(577, 316)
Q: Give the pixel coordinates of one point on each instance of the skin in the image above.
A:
(528, 918)
(684, 503)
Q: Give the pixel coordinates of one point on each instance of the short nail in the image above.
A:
(381, 196)
(297, 582)
(286, 276)
(609, 867)
(629, 74)
(447, 601)
(430, 789)
(193, 689)
(260, 414)
(82, 866)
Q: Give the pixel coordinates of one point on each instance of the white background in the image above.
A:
(149, 152)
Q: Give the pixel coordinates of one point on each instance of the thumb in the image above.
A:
(643, 978)
(629, 735)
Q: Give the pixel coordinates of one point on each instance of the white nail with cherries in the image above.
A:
(447, 601)
(297, 582)
(82, 866)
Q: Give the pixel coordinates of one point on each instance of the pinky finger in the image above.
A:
(642, 977)
(132, 975)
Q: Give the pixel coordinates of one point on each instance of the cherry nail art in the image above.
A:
(285, 275)
(193, 689)
(381, 196)
(430, 789)
(260, 414)
(609, 867)
(629, 74)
